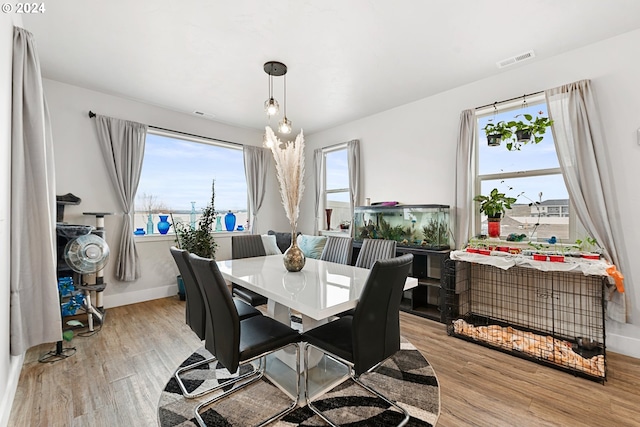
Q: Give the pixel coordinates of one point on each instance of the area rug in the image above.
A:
(406, 378)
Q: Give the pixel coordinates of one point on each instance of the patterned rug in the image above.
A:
(406, 378)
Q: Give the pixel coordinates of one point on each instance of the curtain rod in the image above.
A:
(92, 115)
(509, 100)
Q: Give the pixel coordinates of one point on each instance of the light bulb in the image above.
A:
(271, 107)
(285, 125)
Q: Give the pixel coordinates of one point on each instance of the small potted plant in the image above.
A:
(526, 129)
(589, 248)
(494, 205)
(497, 132)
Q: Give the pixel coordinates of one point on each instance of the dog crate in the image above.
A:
(551, 317)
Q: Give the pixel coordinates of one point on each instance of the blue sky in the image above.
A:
(178, 172)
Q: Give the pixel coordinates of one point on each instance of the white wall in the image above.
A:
(408, 153)
(80, 170)
(9, 366)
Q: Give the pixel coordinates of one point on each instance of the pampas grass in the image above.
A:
(289, 157)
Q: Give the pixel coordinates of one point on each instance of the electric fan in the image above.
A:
(86, 254)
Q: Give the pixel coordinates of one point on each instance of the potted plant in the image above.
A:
(496, 132)
(494, 205)
(197, 240)
(526, 129)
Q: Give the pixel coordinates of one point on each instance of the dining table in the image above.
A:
(317, 293)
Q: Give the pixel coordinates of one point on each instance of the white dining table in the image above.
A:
(320, 291)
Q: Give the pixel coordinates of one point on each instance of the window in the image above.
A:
(532, 175)
(177, 174)
(336, 194)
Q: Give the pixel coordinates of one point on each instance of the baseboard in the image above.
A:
(127, 298)
(6, 400)
(624, 345)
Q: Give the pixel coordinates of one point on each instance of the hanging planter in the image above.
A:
(527, 130)
(497, 132)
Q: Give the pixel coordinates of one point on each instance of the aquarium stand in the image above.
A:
(436, 278)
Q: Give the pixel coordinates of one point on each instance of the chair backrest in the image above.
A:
(283, 239)
(337, 249)
(247, 246)
(195, 307)
(222, 313)
(376, 321)
(374, 249)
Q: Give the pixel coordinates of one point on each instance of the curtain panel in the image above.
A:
(581, 148)
(318, 173)
(122, 146)
(353, 159)
(465, 173)
(34, 302)
(256, 163)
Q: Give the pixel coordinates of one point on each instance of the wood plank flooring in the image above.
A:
(116, 376)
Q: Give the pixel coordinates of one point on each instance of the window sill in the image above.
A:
(147, 238)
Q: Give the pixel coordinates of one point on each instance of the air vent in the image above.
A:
(515, 59)
(204, 115)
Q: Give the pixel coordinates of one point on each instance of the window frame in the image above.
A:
(574, 225)
(325, 151)
(168, 133)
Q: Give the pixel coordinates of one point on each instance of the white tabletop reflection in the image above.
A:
(321, 290)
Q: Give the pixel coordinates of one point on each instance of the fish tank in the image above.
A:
(421, 226)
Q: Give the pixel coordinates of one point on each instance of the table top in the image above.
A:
(321, 290)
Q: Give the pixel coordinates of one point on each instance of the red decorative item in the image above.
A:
(472, 250)
(484, 252)
(556, 258)
(494, 227)
(328, 213)
(539, 257)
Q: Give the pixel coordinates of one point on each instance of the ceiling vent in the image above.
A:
(203, 114)
(515, 59)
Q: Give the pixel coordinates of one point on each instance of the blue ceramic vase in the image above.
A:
(230, 221)
(163, 224)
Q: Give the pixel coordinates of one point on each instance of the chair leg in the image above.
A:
(184, 369)
(263, 365)
(355, 380)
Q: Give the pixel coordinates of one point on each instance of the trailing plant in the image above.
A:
(495, 204)
(534, 128)
(497, 132)
(199, 240)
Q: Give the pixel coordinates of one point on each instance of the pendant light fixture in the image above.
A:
(285, 124)
(277, 69)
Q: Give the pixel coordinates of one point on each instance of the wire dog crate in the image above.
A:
(553, 318)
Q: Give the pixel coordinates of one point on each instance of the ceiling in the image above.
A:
(346, 59)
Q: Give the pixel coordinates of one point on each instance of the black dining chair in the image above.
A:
(337, 249)
(371, 335)
(196, 314)
(247, 246)
(237, 343)
(373, 250)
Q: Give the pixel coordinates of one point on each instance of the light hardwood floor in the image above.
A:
(116, 377)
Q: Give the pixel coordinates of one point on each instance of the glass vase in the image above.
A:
(163, 224)
(150, 224)
(230, 221)
(293, 257)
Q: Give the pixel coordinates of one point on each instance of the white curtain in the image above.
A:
(35, 306)
(353, 159)
(465, 172)
(122, 146)
(318, 168)
(256, 163)
(581, 148)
